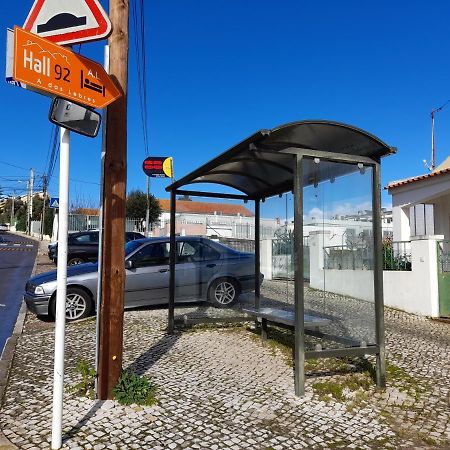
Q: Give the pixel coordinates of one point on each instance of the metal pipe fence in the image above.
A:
(396, 256)
(343, 257)
(82, 222)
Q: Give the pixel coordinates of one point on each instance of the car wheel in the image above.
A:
(75, 261)
(78, 304)
(223, 292)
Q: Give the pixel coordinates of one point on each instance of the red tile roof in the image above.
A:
(395, 184)
(226, 209)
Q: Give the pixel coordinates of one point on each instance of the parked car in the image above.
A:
(83, 246)
(205, 270)
(3, 227)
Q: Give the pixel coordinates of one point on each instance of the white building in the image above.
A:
(421, 204)
(225, 220)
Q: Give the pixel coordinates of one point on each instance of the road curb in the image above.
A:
(7, 356)
(5, 444)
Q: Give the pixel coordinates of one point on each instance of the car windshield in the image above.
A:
(131, 247)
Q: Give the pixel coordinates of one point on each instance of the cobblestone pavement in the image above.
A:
(222, 388)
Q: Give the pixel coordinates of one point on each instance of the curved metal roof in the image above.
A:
(261, 165)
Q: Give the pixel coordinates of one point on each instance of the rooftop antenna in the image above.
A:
(432, 165)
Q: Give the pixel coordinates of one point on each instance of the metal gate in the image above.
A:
(443, 257)
(283, 258)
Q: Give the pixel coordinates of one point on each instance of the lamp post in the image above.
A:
(12, 210)
(432, 165)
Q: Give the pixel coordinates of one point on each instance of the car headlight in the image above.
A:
(39, 290)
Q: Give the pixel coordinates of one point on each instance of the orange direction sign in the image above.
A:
(56, 70)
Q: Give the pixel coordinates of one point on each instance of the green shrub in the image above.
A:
(392, 261)
(132, 388)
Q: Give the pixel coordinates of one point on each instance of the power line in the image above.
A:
(53, 152)
(139, 40)
(17, 167)
(14, 178)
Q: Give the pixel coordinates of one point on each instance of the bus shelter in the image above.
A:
(331, 173)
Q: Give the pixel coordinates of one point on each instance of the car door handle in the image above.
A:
(210, 265)
(163, 270)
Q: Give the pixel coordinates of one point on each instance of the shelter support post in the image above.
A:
(299, 348)
(257, 266)
(378, 275)
(257, 253)
(173, 255)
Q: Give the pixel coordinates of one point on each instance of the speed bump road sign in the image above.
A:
(54, 69)
(68, 21)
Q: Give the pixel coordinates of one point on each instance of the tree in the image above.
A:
(21, 215)
(38, 206)
(83, 203)
(137, 206)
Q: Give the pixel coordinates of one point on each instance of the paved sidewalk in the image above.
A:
(225, 389)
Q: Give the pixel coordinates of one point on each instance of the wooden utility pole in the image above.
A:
(114, 188)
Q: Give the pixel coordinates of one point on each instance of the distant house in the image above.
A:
(207, 219)
(421, 204)
(207, 208)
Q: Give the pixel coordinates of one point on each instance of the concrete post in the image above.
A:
(266, 258)
(424, 265)
(317, 241)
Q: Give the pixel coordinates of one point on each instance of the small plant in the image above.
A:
(405, 382)
(86, 387)
(329, 389)
(131, 388)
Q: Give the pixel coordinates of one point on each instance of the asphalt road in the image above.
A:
(17, 255)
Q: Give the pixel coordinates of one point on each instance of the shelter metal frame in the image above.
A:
(366, 149)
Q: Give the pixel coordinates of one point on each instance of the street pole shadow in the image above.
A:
(151, 356)
(139, 367)
(81, 423)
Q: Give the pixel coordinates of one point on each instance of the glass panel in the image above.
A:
(277, 254)
(339, 296)
(215, 266)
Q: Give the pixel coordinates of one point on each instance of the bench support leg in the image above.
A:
(264, 329)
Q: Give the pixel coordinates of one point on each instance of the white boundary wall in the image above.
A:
(413, 291)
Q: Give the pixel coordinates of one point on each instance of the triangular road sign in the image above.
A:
(68, 21)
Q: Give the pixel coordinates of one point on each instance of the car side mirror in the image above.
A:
(129, 264)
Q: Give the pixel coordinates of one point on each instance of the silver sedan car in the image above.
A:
(205, 270)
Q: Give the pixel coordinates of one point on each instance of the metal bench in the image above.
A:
(283, 317)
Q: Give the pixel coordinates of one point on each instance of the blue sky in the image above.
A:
(219, 70)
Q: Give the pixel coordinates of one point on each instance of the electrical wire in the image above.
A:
(16, 167)
(138, 17)
(54, 153)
